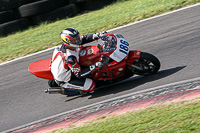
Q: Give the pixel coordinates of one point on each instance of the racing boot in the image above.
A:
(82, 85)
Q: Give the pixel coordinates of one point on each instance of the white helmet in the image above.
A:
(71, 38)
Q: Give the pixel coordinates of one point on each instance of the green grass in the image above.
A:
(120, 13)
(176, 117)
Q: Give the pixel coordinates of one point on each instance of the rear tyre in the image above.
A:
(148, 64)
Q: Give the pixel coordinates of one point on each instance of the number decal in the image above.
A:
(124, 42)
(124, 47)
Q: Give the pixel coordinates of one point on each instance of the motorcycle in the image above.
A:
(119, 63)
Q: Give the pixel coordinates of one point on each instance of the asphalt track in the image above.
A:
(173, 38)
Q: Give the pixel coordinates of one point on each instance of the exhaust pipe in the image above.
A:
(55, 90)
(60, 90)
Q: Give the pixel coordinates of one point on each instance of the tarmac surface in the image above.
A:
(185, 90)
(173, 38)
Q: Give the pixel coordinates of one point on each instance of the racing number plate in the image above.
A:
(122, 49)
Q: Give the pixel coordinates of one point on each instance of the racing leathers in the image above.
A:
(66, 69)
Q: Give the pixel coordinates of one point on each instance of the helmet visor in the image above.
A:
(76, 40)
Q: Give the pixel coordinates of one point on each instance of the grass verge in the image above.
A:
(175, 117)
(120, 13)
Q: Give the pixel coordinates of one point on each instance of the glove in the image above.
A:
(103, 32)
(96, 36)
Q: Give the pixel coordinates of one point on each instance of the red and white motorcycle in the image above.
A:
(119, 63)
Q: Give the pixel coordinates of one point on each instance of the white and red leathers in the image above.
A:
(65, 65)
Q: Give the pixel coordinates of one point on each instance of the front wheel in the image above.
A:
(146, 65)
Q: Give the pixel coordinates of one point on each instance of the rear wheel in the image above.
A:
(146, 65)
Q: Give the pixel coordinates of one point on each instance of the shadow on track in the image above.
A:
(133, 82)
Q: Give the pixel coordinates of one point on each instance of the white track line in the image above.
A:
(109, 31)
(108, 100)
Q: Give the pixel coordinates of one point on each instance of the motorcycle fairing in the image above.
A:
(122, 49)
(110, 71)
(89, 55)
(133, 56)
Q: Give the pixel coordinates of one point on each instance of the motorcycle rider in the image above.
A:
(65, 62)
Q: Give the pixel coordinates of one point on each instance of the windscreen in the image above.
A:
(108, 43)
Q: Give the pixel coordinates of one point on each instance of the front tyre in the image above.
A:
(146, 65)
